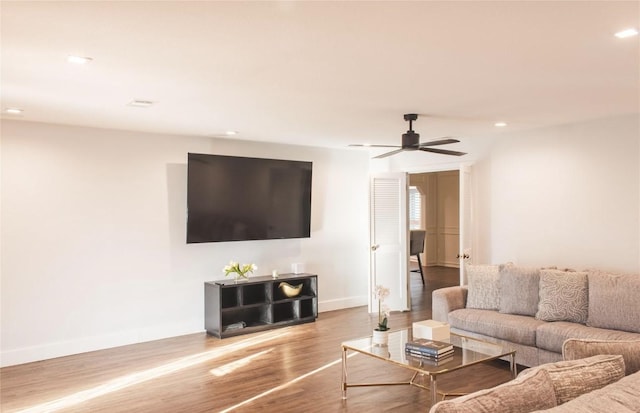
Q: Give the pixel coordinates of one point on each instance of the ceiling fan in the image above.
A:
(411, 142)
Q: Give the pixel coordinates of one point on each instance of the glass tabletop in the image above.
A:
(467, 351)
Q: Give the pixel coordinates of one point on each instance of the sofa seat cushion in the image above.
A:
(515, 328)
(622, 396)
(550, 336)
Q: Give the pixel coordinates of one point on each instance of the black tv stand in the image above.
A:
(233, 308)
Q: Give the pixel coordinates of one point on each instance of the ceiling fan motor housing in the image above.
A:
(410, 140)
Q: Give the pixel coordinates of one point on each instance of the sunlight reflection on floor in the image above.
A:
(285, 385)
(234, 365)
(146, 375)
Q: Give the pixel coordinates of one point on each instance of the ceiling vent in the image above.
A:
(140, 103)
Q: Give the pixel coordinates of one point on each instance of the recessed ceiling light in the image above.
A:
(500, 124)
(231, 132)
(140, 103)
(13, 111)
(627, 33)
(78, 60)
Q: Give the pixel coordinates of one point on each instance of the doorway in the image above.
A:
(434, 206)
(450, 243)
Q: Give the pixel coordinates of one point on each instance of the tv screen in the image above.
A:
(232, 198)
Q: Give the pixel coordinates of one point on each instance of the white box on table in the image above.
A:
(431, 329)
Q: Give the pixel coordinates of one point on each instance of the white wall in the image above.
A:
(565, 196)
(93, 251)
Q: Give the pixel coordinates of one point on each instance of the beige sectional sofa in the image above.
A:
(534, 310)
(590, 385)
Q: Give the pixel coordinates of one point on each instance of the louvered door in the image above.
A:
(389, 239)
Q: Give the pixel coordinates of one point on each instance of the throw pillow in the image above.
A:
(619, 397)
(564, 296)
(482, 284)
(519, 290)
(613, 301)
(576, 377)
(505, 398)
(573, 349)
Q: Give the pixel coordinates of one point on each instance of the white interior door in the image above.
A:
(466, 217)
(389, 239)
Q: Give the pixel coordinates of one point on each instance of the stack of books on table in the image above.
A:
(429, 349)
(419, 361)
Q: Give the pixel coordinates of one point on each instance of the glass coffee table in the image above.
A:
(467, 352)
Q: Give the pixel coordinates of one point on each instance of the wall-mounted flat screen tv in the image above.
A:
(232, 198)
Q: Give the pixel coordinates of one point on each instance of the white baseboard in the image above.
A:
(101, 342)
(340, 303)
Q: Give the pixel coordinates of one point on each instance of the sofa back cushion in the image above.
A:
(564, 296)
(575, 377)
(482, 282)
(613, 301)
(619, 397)
(524, 394)
(573, 349)
(519, 290)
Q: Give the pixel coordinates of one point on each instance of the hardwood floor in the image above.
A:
(295, 369)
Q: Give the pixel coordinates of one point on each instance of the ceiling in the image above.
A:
(320, 73)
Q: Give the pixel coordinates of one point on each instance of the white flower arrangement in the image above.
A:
(380, 293)
(240, 270)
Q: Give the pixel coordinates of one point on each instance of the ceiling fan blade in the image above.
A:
(373, 146)
(384, 155)
(443, 151)
(442, 141)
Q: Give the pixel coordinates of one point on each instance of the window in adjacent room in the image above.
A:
(415, 208)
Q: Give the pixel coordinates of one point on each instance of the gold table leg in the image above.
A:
(344, 373)
(433, 387)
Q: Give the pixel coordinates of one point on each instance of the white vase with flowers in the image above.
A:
(381, 332)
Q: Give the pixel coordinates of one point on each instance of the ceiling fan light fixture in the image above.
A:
(500, 124)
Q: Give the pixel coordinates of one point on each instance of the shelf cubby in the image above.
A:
(309, 288)
(282, 312)
(253, 294)
(307, 308)
(229, 298)
(258, 314)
